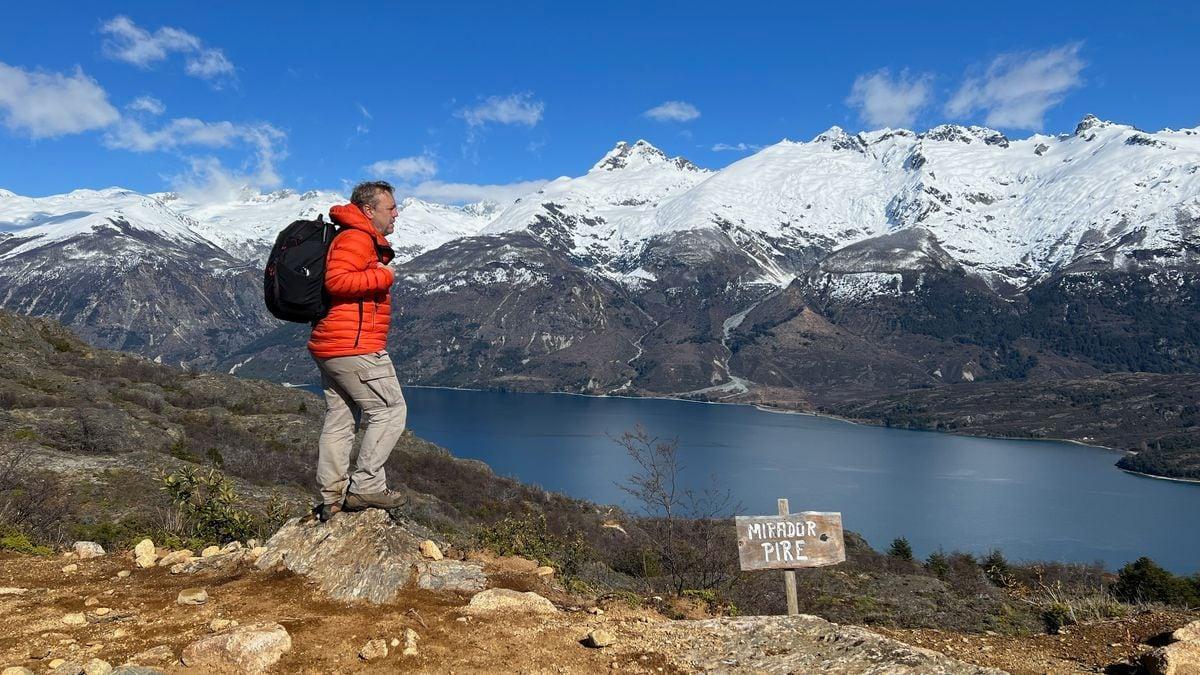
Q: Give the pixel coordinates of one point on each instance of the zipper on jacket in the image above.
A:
(360, 321)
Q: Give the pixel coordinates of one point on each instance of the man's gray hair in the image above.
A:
(367, 194)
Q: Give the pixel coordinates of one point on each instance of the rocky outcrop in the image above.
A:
(1181, 657)
(365, 556)
(795, 644)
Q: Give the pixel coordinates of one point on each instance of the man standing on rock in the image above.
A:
(349, 347)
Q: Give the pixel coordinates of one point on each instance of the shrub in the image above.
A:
(528, 537)
(16, 541)
(937, 564)
(996, 569)
(901, 549)
(1145, 581)
(207, 502)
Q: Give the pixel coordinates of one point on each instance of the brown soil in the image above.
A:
(1112, 646)
(328, 635)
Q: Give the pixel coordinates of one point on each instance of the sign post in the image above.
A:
(790, 541)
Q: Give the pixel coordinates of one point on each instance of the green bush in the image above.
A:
(527, 536)
(16, 541)
(901, 549)
(1145, 581)
(207, 503)
(996, 569)
(937, 564)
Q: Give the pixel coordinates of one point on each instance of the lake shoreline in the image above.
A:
(820, 415)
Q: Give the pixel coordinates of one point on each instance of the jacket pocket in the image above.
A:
(382, 382)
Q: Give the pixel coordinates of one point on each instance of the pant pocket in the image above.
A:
(382, 382)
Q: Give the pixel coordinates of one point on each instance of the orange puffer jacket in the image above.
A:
(359, 284)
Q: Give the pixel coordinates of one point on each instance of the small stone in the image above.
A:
(16, 670)
(430, 550)
(192, 596)
(374, 649)
(87, 549)
(218, 625)
(144, 548)
(599, 638)
(463, 619)
(394, 643)
(56, 663)
(68, 569)
(175, 557)
(595, 610)
(410, 642)
(123, 573)
(250, 649)
(210, 551)
(75, 619)
(97, 667)
(544, 571)
(91, 601)
(256, 553)
(231, 547)
(252, 543)
(101, 611)
(10, 590)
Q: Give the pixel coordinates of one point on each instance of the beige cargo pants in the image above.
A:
(363, 387)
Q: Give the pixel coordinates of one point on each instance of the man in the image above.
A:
(349, 348)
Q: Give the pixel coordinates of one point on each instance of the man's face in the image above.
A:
(383, 213)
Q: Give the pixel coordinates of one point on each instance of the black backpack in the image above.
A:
(294, 280)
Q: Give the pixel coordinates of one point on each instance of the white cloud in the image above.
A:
(363, 109)
(209, 64)
(673, 111)
(405, 168)
(884, 101)
(45, 105)
(128, 42)
(739, 147)
(1018, 88)
(519, 109)
(148, 105)
(207, 181)
(264, 139)
(458, 193)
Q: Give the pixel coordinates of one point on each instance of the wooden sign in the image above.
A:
(806, 539)
(790, 540)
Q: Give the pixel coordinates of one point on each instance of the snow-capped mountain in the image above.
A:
(247, 224)
(421, 225)
(847, 265)
(607, 214)
(1012, 211)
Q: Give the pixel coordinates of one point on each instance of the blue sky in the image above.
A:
(460, 101)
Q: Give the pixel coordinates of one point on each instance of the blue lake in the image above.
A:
(1035, 500)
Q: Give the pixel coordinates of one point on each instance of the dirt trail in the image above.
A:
(328, 635)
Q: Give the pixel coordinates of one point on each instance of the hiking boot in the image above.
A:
(388, 499)
(326, 511)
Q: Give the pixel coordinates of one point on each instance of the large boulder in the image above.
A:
(503, 600)
(245, 649)
(364, 556)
